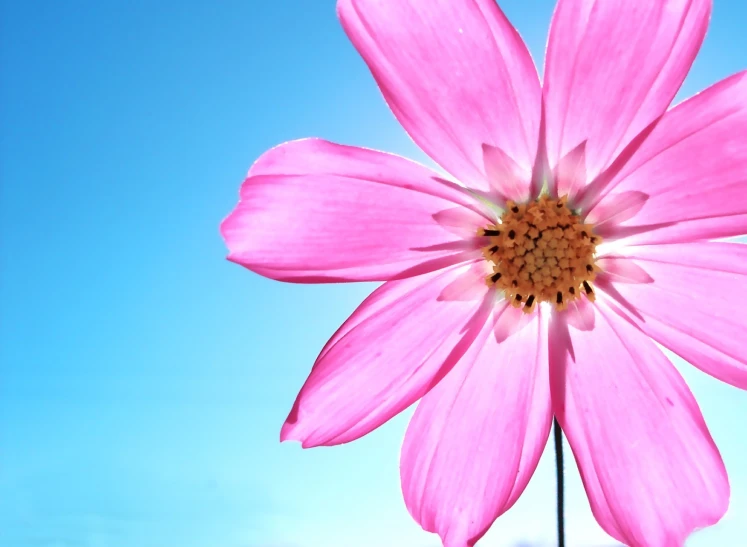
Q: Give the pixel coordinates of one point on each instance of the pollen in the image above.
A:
(541, 251)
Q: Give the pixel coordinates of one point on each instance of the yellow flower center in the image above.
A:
(541, 252)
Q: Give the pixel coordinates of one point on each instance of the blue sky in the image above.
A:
(143, 378)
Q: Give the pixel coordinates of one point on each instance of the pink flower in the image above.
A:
(578, 235)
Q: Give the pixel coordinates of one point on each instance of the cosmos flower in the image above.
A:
(572, 233)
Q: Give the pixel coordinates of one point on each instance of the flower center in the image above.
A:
(541, 252)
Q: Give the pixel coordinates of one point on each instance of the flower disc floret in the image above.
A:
(541, 251)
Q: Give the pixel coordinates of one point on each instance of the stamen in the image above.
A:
(550, 263)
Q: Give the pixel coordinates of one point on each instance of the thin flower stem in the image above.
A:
(558, 434)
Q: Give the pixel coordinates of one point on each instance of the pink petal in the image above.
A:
(570, 172)
(580, 314)
(649, 466)
(385, 357)
(608, 216)
(314, 211)
(507, 178)
(476, 438)
(612, 68)
(693, 168)
(456, 75)
(623, 269)
(694, 302)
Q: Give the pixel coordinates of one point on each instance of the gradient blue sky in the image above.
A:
(144, 378)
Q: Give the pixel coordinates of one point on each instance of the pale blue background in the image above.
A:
(144, 378)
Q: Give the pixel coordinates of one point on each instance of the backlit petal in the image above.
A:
(399, 341)
(476, 438)
(693, 301)
(314, 211)
(612, 68)
(456, 75)
(649, 466)
(692, 169)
